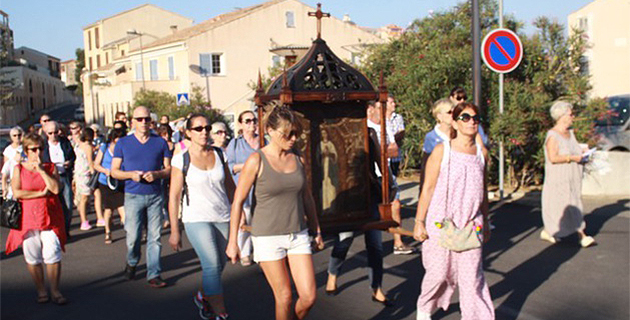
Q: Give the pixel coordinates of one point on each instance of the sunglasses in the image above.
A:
(220, 132)
(143, 119)
(461, 98)
(251, 120)
(465, 117)
(208, 128)
(291, 134)
(74, 128)
(33, 149)
(45, 120)
(52, 133)
(16, 135)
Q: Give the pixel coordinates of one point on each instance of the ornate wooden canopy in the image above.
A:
(331, 98)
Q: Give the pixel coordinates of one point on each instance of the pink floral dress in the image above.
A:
(446, 269)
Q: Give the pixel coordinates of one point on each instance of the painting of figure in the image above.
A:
(330, 172)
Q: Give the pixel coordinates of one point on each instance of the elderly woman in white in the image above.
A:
(561, 195)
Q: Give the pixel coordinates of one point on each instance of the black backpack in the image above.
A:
(187, 165)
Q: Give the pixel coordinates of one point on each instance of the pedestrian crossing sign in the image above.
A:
(182, 99)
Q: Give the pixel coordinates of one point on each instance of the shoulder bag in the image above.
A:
(452, 238)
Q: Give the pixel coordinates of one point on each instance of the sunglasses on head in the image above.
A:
(220, 132)
(143, 119)
(33, 149)
(251, 120)
(465, 117)
(208, 128)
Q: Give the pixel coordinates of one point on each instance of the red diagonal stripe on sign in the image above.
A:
(507, 56)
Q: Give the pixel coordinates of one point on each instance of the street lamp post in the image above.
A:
(134, 32)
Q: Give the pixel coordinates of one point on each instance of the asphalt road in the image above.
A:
(529, 279)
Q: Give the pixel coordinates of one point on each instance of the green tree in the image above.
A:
(77, 72)
(435, 54)
(163, 103)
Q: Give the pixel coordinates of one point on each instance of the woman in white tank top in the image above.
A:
(208, 190)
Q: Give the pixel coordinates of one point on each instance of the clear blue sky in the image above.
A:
(54, 27)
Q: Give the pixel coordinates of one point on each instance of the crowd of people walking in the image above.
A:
(246, 203)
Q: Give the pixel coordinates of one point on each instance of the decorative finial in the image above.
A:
(319, 15)
(260, 86)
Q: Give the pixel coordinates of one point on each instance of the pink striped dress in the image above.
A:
(446, 269)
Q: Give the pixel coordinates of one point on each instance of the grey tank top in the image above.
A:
(278, 206)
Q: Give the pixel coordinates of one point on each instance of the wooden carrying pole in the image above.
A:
(385, 208)
(259, 104)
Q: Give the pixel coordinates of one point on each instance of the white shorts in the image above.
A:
(273, 248)
(41, 246)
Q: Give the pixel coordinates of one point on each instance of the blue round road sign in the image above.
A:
(502, 50)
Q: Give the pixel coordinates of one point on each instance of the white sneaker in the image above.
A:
(423, 315)
(545, 236)
(587, 241)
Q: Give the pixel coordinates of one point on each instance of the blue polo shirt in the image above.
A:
(142, 157)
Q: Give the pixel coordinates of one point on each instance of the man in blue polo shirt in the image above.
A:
(142, 159)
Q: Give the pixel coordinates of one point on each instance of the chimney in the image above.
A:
(346, 18)
(174, 28)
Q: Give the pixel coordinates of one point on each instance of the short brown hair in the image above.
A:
(32, 139)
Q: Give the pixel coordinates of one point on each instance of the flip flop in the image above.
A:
(43, 299)
(60, 300)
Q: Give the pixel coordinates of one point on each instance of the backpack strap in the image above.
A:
(220, 153)
(185, 168)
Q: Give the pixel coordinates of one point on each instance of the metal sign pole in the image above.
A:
(501, 155)
(476, 41)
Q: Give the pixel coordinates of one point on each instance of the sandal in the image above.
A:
(43, 299)
(108, 237)
(60, 300)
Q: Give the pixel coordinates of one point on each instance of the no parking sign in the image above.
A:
(502, 50)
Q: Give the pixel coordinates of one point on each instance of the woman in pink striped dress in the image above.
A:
(455, 187)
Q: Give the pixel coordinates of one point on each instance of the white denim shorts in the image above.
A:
(41, 246)
(273, 248)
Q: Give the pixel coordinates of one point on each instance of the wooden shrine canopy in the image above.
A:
(330, 98)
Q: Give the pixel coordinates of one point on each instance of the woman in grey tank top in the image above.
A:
(283, 207)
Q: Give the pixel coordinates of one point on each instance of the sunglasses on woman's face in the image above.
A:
(201, 128)
(288, 136)
(33, 149)
(250, 120)
(220, 132)
(465, 117)
(16, 135)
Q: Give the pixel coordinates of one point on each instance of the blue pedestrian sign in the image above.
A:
(502, 50)
(182, 99)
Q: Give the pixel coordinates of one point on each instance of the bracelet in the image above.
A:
(568, 159)
(419, 221)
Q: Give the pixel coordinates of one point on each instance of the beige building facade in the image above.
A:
(67, 70)
(34, 91)
(605, 23)
(110, 39)
(33, 85)
(223, 55)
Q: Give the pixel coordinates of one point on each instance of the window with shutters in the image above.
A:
(153, 67)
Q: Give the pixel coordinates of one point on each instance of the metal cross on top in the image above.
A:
(319, 15)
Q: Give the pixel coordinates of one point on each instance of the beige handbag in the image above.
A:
(452, 238)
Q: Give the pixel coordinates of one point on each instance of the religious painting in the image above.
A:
(334, 143)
